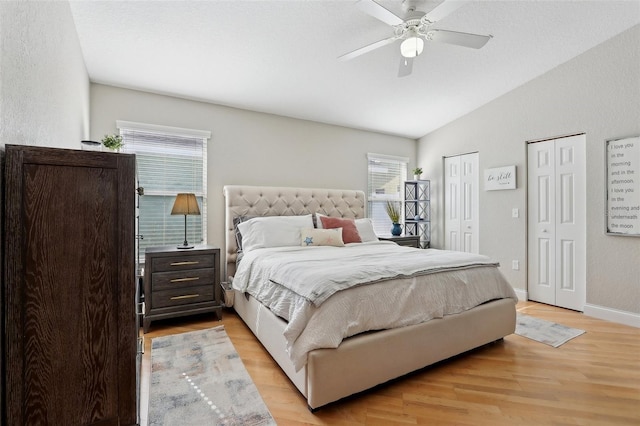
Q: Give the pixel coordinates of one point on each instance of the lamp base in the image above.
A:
(185, 246)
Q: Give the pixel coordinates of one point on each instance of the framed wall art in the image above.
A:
(623, 186)
(500, 178)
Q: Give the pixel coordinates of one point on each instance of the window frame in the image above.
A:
(381, 222)
(161, 131)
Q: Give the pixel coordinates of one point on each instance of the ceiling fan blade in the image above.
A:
(406, 66)
(374, 9)
(475, 41)
(444, 8)
(367, 48)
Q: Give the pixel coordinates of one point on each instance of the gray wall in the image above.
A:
(597, 93)
(44, 87)
(251, 148)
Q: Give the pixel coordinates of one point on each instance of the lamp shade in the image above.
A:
(411, 47)
(186, 204)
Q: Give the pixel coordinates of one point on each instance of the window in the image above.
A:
(169, 160)
(386, 177)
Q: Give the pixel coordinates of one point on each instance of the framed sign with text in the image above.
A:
(500, 178)
(623, 186)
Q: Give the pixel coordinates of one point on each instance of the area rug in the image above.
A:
(197, 378)
(547, 332)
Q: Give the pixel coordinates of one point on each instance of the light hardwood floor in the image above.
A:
(593, 379)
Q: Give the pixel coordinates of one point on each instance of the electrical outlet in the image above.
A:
(515, 265)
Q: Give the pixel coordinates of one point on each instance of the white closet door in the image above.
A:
(452, 203)
(541, 222)
(557, 222)
(469, 202)
(461, 202)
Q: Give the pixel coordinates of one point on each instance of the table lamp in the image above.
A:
(185, 204)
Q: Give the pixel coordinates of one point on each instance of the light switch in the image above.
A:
(515, 212)
(515, 265)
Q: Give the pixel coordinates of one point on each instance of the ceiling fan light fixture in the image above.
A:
(412, 47)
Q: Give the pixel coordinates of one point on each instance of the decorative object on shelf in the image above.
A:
(394, 215)
(113, 142)
(417, 172)
(91, 145)
(185, 204)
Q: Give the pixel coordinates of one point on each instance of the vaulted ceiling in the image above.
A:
(280, 56)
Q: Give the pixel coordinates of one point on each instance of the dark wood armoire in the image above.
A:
(69, 325)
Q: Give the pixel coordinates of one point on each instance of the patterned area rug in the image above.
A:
(546, 332)
(197, 378)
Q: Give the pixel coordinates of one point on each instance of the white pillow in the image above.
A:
(273, 231)
(321, 237)
(365, 229)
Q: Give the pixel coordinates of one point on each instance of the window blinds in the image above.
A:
(168, 162)
(386, 177)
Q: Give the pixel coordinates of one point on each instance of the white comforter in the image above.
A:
(419, 295)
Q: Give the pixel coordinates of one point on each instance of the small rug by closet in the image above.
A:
(547, 332)
(197, 378)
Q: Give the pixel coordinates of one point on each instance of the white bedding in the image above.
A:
(386, 303)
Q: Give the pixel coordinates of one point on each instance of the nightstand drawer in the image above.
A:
(182, 296)
(403, 240)
(408, 242)
(179, 263)
(181, 279)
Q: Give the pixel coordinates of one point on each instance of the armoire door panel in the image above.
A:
(71, 332)
(82, 232)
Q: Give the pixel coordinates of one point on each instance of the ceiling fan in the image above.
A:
(414, 30)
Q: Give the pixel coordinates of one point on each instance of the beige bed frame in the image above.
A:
(368, 359)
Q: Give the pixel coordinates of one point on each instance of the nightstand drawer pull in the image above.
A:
(186, 296)
(181, 280)
(186, 262)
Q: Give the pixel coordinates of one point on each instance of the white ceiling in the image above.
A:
(279, 56)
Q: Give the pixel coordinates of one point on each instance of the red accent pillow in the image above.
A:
(349, 230)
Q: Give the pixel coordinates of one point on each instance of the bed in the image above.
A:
(366, 358)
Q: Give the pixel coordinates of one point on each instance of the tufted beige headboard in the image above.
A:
(282, 201)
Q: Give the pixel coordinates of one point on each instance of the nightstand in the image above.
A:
(403, 240)
(179, 282)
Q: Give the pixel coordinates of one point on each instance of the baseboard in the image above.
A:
(600, 312)
(523, 295)
(613, 315)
